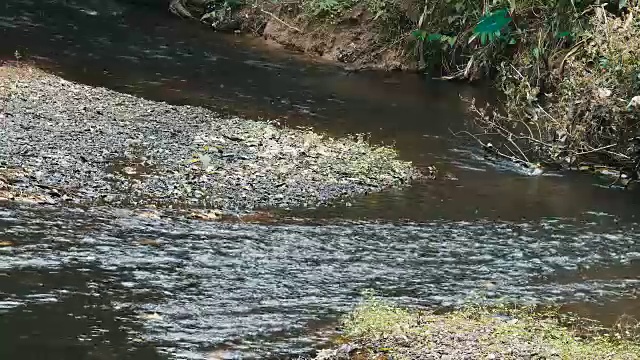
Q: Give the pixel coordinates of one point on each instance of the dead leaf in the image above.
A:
(149, 242)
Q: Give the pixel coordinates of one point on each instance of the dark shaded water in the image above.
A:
(105, 284)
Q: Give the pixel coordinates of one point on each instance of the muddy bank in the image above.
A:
(66, 142)
(358, 38)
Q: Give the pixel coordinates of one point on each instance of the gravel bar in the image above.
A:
(65, 142)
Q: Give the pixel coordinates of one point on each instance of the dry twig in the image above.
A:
(281, 21)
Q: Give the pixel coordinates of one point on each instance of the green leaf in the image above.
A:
(622, 4)
(492, 22)
(563, 34)
(604, 63)
(512, 41)
(536, 52)
(434, 37)
(419, 34)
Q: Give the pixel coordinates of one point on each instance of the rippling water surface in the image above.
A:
(127, 284)
(108, 284)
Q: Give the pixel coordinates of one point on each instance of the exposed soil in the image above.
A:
(354, 39)
(350, 41)
(69, 143)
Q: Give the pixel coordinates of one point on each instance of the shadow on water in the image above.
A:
(36, 322)
(98, 284)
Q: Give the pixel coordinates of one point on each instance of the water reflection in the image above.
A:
(68, 313)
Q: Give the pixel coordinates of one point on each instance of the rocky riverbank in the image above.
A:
(377, 330)
(64, 142)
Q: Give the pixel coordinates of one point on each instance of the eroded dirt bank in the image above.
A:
(66, 142)
(358, 38)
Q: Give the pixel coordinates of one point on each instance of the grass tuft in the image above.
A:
(378, 329)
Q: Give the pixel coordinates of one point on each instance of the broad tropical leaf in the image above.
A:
(493, 22)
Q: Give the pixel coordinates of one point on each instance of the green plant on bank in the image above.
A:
(326, 8)
(567, 70)
(334, 9)
(490, 28)
(218, 12)
(493, 27)
(574, 100)
(487, 34)
(375, 319)
(379, 328)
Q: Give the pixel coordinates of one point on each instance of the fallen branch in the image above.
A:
(503, 132)
(281, 21)
(528, 146)
(489, 147)
(592, 151)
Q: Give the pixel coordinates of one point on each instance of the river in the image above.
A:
(102, 283)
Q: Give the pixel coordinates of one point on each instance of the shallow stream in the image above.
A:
(105, 283)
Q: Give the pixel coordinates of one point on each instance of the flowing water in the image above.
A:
(107, 284)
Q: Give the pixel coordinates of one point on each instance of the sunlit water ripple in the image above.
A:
(212, 284)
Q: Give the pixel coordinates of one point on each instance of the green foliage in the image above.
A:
(383, 328)
(375, 318)
(487, 34)
(326, 8)
(333, 9)
(491, 26)
(446, 40)
(219, 12)
(380, 8)
(448, 32)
